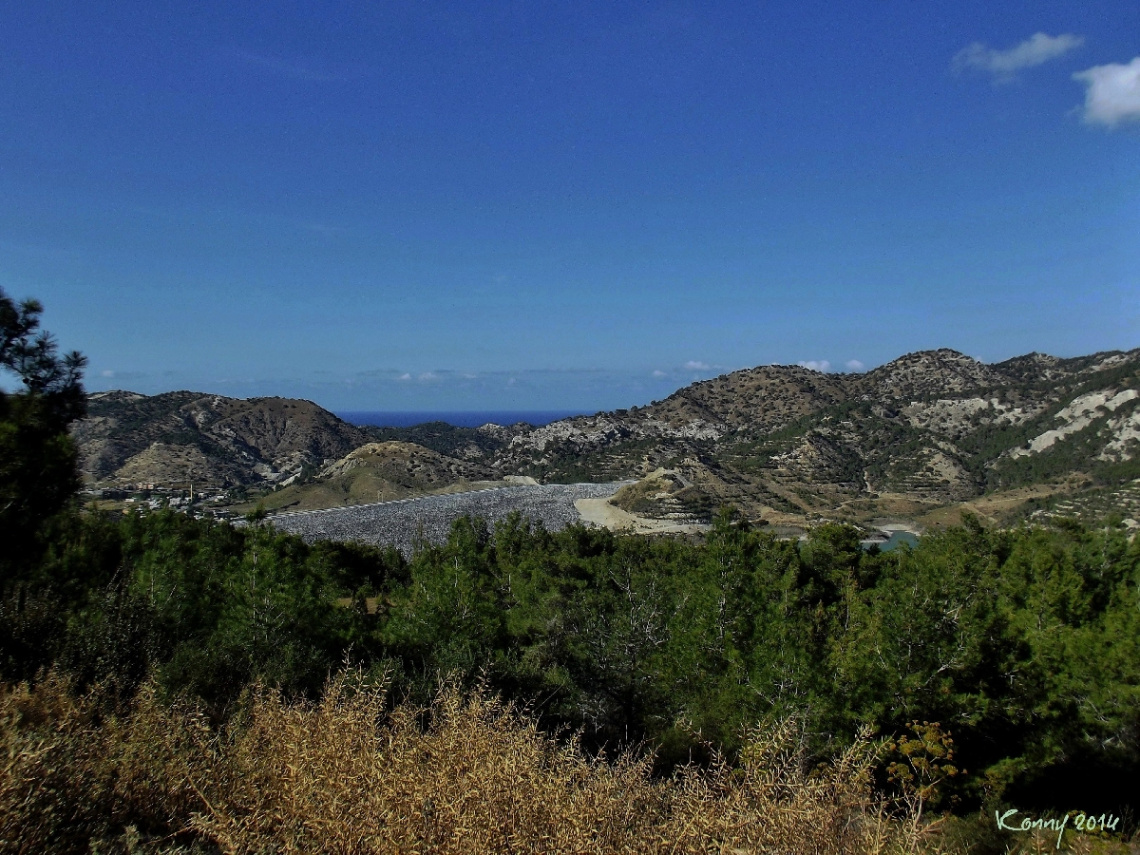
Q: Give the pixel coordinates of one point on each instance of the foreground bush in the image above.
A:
(348, 774)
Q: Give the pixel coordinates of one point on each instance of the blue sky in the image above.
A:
(526, 205)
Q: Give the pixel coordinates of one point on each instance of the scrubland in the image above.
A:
(352, 773)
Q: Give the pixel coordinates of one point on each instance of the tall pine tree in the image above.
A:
(38, 473)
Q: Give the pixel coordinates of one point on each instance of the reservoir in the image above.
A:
(898, 538)
(894, 540)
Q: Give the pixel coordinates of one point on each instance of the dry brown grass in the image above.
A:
(470, 774)
(70, 773)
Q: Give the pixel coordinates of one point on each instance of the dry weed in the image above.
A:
(773, 803)
(469, 774)
(340, 776)
(72, 774)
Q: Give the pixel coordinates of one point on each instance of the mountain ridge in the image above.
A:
(931, 427)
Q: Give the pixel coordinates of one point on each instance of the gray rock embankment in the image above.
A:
(402, 523)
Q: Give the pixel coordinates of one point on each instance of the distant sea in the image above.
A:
(466, 418)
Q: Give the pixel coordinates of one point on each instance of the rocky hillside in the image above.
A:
(931, 427)
(925, 430)
(180, 437)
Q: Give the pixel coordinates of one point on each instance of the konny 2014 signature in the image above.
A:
(1081, 821)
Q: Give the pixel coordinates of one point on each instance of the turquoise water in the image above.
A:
(898, 538)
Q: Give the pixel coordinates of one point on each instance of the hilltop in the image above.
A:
(180, 437)
(380, 472)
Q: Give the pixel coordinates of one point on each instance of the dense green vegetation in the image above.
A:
(37, 457)
(1024, 645)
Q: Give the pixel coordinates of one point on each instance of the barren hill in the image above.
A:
(129, 438)
(379, 472)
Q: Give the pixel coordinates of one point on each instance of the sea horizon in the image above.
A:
(456, 418)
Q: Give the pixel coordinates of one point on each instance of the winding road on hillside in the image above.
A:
(401, 523)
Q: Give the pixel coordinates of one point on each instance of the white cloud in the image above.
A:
(405, 376)
(428, 376)
(694, 365)
(1113, 94)
(1003, 64)
(658, 373)
(855, 365)
(108, 374)
(815, 364)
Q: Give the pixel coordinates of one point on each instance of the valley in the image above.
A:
(922, 440)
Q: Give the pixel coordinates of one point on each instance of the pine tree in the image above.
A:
(38, 475)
